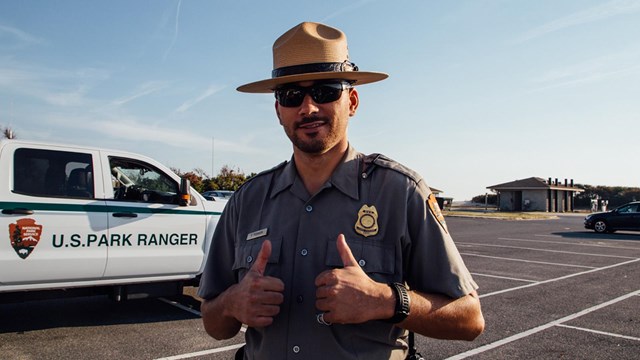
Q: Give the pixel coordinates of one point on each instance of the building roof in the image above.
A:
(434, 190)
(533, 183)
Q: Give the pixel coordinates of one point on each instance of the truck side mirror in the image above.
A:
(185, 192)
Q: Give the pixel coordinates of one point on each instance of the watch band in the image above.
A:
(402, 308)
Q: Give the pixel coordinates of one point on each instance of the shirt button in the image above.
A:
(249, 258)
(362, 262)
(299, 299)
(309, 208)
(304, 252)
(296, 349)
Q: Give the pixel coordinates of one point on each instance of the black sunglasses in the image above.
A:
(321, 93)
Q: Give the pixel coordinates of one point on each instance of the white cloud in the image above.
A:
(347, 9)
(596, 13)
(602, 68)
(18, 35)
(53, 86)
(132, 129)
(192, 102)
(75, 97)
(142, 90)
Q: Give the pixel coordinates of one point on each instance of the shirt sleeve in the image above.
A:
(218, 274)
(434, 264)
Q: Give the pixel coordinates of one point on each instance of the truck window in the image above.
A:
(51, 173)
(135, 180)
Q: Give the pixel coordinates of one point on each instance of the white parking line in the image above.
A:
(599, 245)
(198, 353)
(599, 332)
(559, 278)
(548, 250)
(195, 312)
(528, 261)
(503, 277)
(204, 352)
(535, 330)
(615, 240)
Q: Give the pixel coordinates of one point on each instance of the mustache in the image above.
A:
(310, 119)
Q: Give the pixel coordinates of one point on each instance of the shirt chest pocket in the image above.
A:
(375, 259)
(247, 252)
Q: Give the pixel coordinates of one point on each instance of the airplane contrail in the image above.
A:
(175, 33)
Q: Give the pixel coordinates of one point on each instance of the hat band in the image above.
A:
(314, 68)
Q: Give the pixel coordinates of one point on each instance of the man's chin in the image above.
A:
(312, 148)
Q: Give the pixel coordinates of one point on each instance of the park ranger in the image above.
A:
(334, 254)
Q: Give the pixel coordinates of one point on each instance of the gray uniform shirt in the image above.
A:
(392, 225)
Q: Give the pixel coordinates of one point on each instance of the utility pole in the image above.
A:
(213, 139)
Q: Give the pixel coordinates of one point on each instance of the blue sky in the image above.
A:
(479, 93)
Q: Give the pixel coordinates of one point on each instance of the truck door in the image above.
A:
(151, 235)
(50, 214)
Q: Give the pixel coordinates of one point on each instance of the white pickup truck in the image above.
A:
(113, 222)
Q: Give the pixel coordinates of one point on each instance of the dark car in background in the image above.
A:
(624, 217)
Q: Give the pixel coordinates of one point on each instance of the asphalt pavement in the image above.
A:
(549, 289)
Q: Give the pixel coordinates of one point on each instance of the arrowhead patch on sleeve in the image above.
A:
(435, 210)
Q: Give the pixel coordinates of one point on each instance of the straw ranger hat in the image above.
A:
(311, 51)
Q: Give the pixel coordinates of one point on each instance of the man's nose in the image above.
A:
(308, 106)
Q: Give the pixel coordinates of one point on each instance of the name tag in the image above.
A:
(257, 234)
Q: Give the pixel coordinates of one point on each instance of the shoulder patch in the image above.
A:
(385, 162)
(435, 210)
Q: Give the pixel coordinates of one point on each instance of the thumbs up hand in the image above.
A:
(345, 252)
(348, 295)
(263, 258)
(257, 298)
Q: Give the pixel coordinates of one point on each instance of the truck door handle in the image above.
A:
(125, 215)
(17, 212)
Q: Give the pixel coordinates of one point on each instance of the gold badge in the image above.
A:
(367, 223)
(435, 210)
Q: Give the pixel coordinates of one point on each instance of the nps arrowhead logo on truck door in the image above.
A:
(24, 235)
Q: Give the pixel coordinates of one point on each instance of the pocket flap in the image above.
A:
(372, 257)
(247, 253)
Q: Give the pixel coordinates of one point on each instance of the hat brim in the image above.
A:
(268, 85)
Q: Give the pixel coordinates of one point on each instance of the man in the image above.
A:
(334, 254)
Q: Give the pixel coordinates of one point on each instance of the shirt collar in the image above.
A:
(344, 178)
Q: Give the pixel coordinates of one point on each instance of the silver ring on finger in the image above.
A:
(321, 320)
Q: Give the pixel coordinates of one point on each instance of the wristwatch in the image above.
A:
(402, 303)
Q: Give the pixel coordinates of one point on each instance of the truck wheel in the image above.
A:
(600, 227)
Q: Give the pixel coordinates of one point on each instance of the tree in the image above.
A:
(492, 199)
(200, 172)
(616, 195)
(228, 179)
(195, 180)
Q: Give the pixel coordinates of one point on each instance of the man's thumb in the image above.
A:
(263, 258)
(345, 252)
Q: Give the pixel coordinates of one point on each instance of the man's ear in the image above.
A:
(278, 112)
(354, 101)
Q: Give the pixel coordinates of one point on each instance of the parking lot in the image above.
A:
(549, 289)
